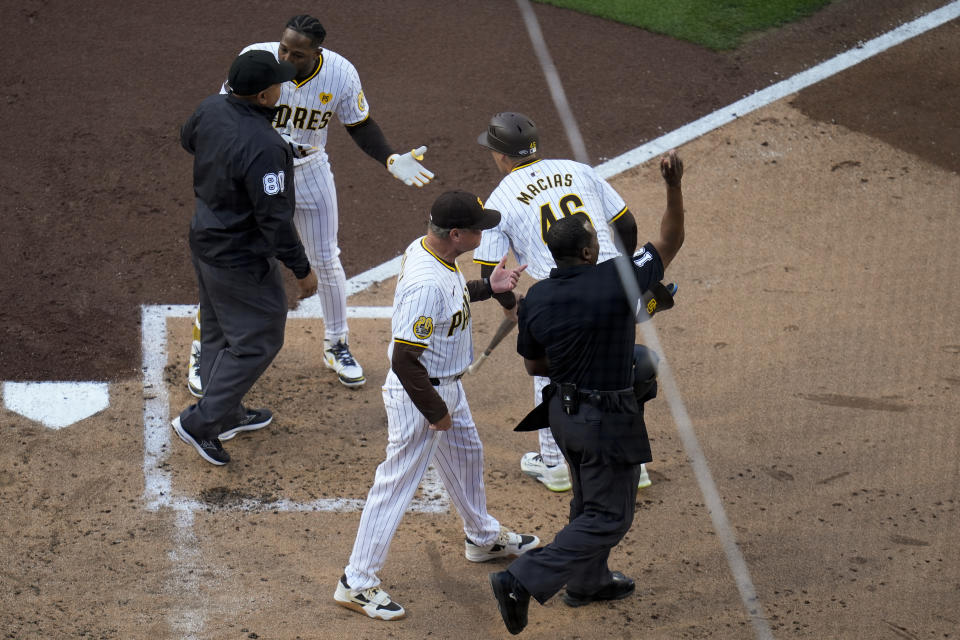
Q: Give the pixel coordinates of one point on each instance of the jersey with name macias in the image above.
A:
(334, 88)
(431, 310)
(536, 194)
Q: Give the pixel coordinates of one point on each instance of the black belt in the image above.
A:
(571, 396)
(447, 380)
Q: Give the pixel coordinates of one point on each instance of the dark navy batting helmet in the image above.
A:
(645, 365)
(512, 134)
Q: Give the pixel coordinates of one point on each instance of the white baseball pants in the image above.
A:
(458, 457)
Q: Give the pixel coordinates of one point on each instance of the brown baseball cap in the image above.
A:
(254, 71)
(462, 210)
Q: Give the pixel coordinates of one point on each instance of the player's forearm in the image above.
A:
(416, 382)
(507, 299)
(290, 251)
(479, 290)
(672, 225)
(369, 137)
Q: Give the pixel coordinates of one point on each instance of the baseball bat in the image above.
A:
(506, 326)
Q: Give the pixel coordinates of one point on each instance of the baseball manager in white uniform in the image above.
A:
(326, 85)
(534, 194)
(428, 418)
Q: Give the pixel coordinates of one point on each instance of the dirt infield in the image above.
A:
(815, 340)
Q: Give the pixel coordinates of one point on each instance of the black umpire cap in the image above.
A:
(254, 71)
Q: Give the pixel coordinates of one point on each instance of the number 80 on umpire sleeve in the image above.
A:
(274, 183)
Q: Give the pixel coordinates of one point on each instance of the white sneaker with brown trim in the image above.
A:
(375, 602)
(507, 545)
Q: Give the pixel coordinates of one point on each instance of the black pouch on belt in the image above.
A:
(569, 398)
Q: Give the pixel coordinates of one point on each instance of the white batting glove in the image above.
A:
(299, 150)
(406, 168)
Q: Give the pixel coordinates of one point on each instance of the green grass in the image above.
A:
(717, 24)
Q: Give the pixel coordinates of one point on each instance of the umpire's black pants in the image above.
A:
(601, 512)
(243, 313)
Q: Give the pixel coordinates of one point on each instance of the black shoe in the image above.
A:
(254, 419)
(210, 450)
(619, 587)
(512, 600)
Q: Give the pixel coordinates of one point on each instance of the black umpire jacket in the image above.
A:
(243, 181)
(581, 319)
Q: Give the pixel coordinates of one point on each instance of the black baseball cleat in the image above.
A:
(512, 600)
(618, 588)
(210, 450)
(253, 419)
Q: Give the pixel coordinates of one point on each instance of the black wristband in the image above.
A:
(486, 282)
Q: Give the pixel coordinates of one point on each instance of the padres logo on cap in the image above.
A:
(423, 327)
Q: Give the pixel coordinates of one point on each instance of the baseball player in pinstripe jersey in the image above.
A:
(428, 418)
(326, 85)
(534, 193)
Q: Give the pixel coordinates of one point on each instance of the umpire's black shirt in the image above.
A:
(243, 180)
(581, 320)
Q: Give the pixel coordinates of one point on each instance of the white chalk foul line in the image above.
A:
(158, 482)
(735, 561)
(777, 91)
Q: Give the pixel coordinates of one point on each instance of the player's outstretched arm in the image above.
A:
(406, 168)
(671, 225)
(403, 167)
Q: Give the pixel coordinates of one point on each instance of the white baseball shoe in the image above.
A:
(644, 478)
(555, 478)
(375, 602)
(337, 356)
(193, 371)
(507, 545)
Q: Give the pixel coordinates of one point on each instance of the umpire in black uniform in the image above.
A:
(578, 328)
(243, 224)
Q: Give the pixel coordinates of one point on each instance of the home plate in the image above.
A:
(56, 404)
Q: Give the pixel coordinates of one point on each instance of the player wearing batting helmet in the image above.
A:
(533, 195)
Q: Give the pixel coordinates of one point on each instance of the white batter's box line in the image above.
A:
(431, 486)
(775, 92)
(158, 479)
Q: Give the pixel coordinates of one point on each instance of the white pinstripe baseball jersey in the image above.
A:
(333, 89)
(431, 310)
(532, 197)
